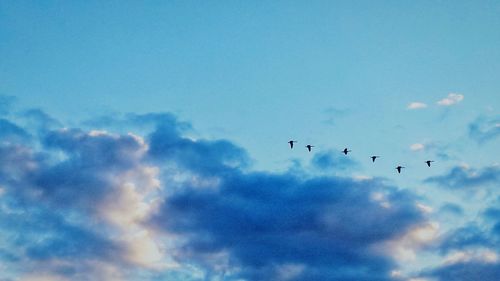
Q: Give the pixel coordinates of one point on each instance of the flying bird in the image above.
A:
(429, 162)
(291, 143)
(399, 169)
(309, 147)
(374, 157)
(345, 151)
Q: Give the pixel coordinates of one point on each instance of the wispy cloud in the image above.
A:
(451, 208)
(460, 177)
(451, 99)
(6, 104)
(471, 269)
(332, 160)
(333, 114)
(416, 105)
(484, 128)
(471, 253)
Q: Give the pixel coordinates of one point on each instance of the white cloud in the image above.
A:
(290, 271)
(143, 249)
(425, 208)
(451, 99)
(417, 147)
(480, 255)
(405, 248)
(417, 105)
(362, 178)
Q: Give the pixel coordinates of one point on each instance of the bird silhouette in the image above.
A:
(374, 157)
(309, 147)
(429, 162)
(345, 151)
(291, 143)
(399, 169)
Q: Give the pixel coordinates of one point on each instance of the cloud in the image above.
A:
(333, 114)
(12, 132)
(265, 223)
(6, 104)
(42, 240)
(40, 120)
(332, 160)
(440, 150)
(68, 192)
(466, 178)
(470, 252)
(451, 99)
(80, 204)
(417, 147)
(484, 129)
(492, 217)
(416, 105)
(471, 270)
(451, 208)
(468, 237)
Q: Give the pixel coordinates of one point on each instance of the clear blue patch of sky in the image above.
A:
(260, 73)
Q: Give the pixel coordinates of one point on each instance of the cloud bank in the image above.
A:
(135, 198)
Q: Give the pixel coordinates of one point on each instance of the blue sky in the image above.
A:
(155, 134)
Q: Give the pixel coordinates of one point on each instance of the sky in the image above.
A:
(148, 140)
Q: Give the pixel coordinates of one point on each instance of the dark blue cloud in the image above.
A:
(49, 202)
(95, 150)
(467, 271)
(467, 237)
(201, 156)
(16, 165)
(12, 132)
(43, 234)
(37, 235)
(265, 221)
(333, 160)
(492, 216)
(471, 239)
(167, 142)
(484, 128)
(76, 168)
(40, 119)
(480, 235)
(270, 226)
(451, 208)
(466, 178)
(492, 213)
(6, 104)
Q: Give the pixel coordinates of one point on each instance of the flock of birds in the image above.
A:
(345, 151)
